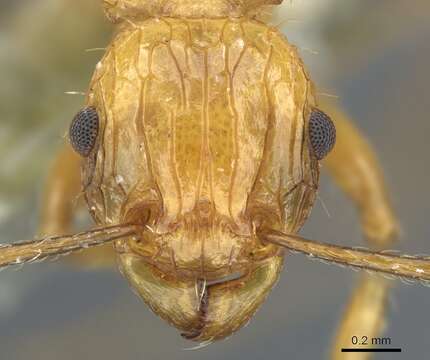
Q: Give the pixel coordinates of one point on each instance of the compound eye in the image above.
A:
(322, 133)
(83, 131)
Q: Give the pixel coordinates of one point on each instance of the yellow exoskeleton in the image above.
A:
(200, 145)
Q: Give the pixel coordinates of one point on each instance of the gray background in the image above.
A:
(373, 55)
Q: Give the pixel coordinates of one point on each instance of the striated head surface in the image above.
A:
(203, 135)
(117, 10)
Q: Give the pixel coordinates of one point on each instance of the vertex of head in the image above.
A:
(119, 10)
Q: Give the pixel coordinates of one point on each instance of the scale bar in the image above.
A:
(371, 350)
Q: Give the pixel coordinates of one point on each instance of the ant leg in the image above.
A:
(60, 203)
(363, 316)
(61, 191)
(355, 168)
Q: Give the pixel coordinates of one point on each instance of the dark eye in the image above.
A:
(322, 133)
(83, 131)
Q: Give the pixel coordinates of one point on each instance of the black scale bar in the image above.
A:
(372, 350)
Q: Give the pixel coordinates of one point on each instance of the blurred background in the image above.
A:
(374, 56)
